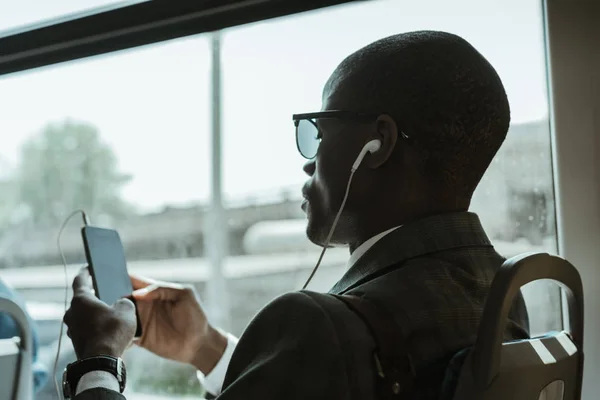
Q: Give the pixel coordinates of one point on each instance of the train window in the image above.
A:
(127, 137)
(285, 65)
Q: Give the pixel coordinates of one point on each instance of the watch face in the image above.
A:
(119, 370)
(121, 373)
(65, 386)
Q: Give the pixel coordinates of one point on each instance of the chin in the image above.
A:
(315, 232)
(313, 235)
(318, 225)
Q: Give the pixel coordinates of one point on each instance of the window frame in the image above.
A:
(111, 29)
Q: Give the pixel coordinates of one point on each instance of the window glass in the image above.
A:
(127, 137)
(274, 69)
(124, 137)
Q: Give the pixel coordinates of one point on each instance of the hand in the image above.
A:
(94, 327)
(174, 325)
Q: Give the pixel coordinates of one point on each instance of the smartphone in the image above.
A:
(108, 267)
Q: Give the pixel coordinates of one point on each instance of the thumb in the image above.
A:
(124, 306)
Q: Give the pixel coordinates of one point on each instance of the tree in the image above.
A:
(66, 167)
(7, 199)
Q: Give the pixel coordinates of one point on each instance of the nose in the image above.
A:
(309, 167)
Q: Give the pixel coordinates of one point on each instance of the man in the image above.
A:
(440, 113)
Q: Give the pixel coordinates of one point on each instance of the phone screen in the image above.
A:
(108, 266)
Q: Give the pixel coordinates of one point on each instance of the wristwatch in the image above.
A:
(76, 370)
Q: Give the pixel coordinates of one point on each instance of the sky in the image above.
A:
(152, 104)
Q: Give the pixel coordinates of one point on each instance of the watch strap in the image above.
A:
(110, 364)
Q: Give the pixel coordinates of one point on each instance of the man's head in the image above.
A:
(441, 113)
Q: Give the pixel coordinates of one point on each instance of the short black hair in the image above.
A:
(442, 93)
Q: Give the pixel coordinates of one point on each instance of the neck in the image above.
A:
(372, 224)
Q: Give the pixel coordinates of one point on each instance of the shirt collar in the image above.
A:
(363, 248)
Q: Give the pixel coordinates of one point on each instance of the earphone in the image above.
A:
(371, 147)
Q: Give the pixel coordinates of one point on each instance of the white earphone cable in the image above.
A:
(370, 147)
(64, 261)
(332, 229)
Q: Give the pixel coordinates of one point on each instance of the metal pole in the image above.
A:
(216, 229)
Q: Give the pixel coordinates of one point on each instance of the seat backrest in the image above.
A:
(16, 379)
(544, 368)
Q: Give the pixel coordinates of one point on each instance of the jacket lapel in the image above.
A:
(429, 235)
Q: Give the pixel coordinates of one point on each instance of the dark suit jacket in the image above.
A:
(432, 275)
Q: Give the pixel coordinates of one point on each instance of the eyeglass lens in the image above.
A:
(307, 138)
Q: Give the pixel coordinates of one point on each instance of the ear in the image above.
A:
(386, 131)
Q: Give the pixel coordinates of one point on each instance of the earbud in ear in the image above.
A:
(373, 146)
(370, 147)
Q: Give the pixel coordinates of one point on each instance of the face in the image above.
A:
(329, 171)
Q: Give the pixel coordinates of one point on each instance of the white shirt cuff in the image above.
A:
(97, 379)
(213, 381)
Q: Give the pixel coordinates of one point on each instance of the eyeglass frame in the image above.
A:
(334, 114)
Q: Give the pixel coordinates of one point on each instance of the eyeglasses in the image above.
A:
(308, 137)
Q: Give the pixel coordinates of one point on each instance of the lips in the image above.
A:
(305, 190)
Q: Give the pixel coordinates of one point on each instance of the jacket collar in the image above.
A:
(425, 236)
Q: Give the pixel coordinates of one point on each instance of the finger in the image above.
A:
(154, 292)
(82, 284)
(139, 282)
(144, 293)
